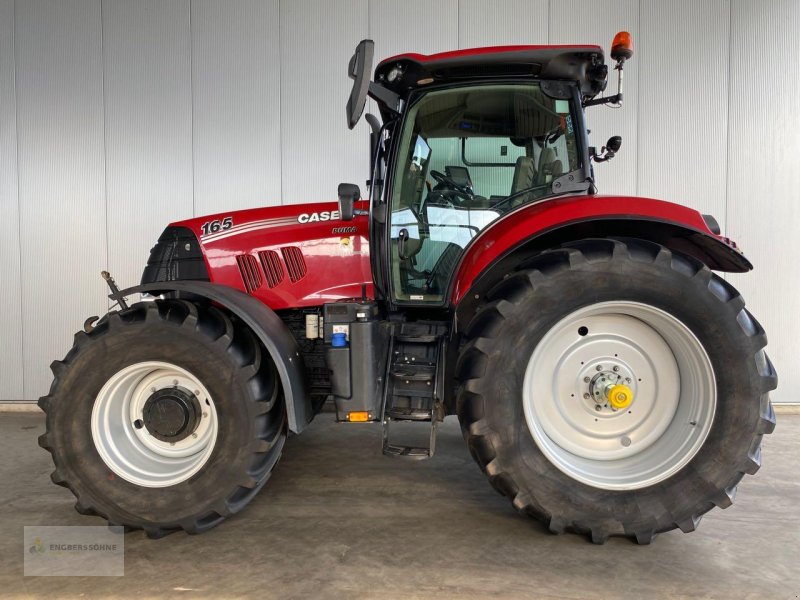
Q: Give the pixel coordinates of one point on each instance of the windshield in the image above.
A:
(468, 156)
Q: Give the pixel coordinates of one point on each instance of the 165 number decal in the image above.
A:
(217, 226)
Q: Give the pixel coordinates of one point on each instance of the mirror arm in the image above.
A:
(374, 141)
(616, 98)
(385, 96)
(605, 154)
(374, 124)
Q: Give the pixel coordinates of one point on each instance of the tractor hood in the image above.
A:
(287, 256)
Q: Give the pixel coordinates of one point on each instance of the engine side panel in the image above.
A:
(525, 224)
(287, 256)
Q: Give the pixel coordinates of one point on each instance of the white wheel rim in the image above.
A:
(128, 448)
(657, 357)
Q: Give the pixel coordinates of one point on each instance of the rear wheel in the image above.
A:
(615, 388)
(165, 416)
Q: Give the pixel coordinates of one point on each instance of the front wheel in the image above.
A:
(613, 387)
(165, 416)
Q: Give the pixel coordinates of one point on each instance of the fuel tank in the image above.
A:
(287, 256)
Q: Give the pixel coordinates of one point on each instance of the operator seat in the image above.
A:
(524, 174)
(524, 177)
(550, 167)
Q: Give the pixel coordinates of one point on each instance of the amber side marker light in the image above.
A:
(360, 416)
(622, 46)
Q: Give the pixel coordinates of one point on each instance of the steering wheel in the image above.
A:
(449, 182)
(449, 191)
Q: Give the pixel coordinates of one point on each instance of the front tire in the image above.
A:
(556, 337)
(165, 416)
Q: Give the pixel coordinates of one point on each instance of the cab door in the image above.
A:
(465, 157)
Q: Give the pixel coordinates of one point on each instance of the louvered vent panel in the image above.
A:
(295, 263)
(248, 267)
(273, 269)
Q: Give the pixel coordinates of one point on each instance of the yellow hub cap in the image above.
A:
(620, 396)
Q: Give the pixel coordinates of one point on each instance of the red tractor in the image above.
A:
(606, 380)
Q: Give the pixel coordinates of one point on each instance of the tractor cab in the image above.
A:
(466, 156)
(467, 138)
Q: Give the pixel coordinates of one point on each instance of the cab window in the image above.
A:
(467, 157)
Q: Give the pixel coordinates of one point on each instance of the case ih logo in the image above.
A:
(325, 215)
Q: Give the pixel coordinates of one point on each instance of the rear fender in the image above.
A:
(265, 324)
(500, 248)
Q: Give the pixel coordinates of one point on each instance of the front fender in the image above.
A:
(536, 227)
(265, 324)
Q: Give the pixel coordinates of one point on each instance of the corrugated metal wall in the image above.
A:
(118, 116)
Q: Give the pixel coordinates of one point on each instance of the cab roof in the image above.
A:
(581, 63)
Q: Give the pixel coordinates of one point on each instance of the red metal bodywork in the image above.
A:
(470, 52)
(506, 233)
(336, 253)
(337, 264)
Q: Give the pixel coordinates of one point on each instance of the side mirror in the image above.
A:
(358, 69)
(614, 143)
(348, 194)
(608, 151)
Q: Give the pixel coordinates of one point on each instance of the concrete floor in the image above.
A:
(339, 520)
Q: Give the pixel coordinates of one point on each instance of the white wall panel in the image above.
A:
(683, 102)
(599, 21)
(413, 26)
(11, 373)
(61, 176)
(117, 117)
(148, 126)
(318, 150)
(763, 178)
(502, 22)
(237, 112)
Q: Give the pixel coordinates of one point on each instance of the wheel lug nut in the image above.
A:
(597, 407)
(599, 367)
(586, 380)
(586, 396)
(616, 369)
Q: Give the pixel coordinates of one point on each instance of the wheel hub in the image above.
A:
(611, 389)
(171, 414)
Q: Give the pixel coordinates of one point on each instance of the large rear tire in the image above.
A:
(556, 338)
(165, 416)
